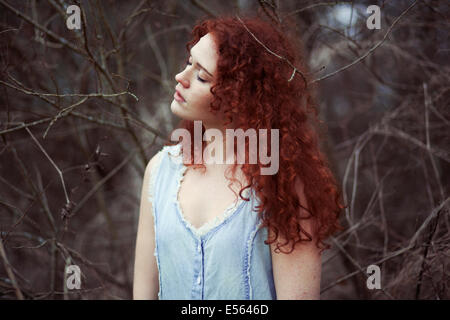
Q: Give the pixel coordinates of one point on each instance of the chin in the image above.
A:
(179, 110)
(175, 107)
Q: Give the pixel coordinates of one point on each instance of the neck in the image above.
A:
(215, 139)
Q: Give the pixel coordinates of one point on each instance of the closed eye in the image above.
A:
(200, 79)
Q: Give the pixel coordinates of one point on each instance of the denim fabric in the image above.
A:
(225, 259)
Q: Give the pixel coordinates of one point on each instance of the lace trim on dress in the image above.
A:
(153, 173)
(208, 226)
(155, 168)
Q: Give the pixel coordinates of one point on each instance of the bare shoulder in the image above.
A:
(173, 150)
(152, 163)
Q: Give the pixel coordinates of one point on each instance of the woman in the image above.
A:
(217, 230)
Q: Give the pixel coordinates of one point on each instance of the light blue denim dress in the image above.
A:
(224, 259)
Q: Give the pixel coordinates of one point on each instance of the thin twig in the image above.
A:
(10, 273)
(88, 95)
(371, 50)
(52, 162)
(63, 113)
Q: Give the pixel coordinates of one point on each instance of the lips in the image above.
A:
(179, 96)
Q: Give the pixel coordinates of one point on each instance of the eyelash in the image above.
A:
(200, 79)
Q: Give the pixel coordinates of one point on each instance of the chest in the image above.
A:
(204, 196)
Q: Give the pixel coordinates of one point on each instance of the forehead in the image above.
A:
(204, 51)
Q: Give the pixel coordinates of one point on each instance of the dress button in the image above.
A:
(199, 248)
(198, 280)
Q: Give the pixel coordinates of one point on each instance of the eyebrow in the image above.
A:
(197, 63)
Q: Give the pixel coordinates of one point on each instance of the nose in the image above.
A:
(181, 78)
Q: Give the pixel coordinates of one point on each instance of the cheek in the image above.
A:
(205, 97)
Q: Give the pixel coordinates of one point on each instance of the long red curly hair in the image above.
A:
(262, 83)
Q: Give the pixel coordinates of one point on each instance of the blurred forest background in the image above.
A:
(83, 111)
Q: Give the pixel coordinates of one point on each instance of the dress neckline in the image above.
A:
(211, 224)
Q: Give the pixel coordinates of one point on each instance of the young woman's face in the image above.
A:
(195, 82)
